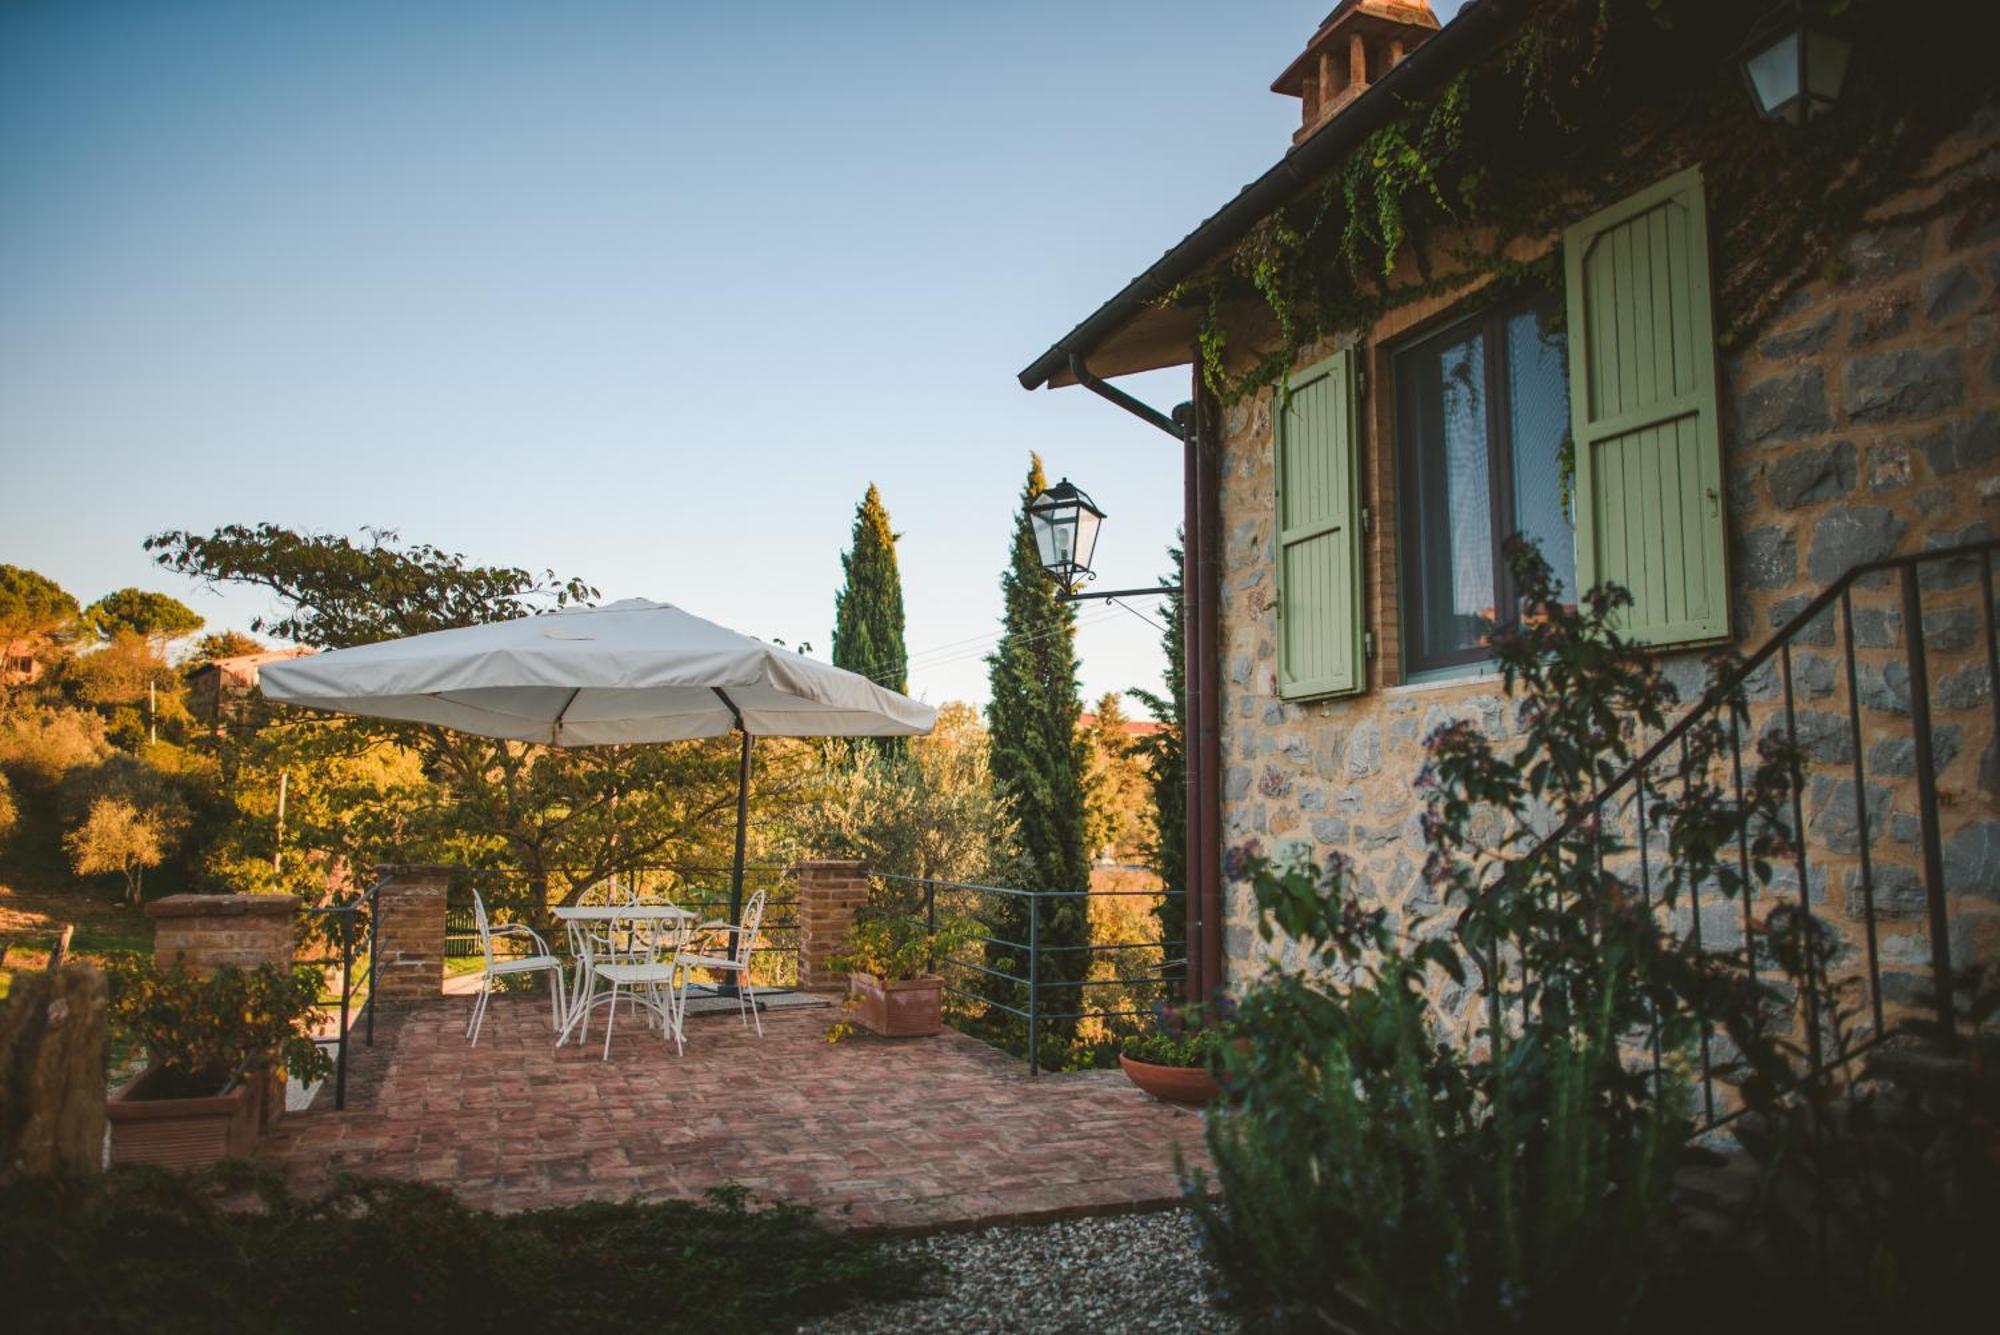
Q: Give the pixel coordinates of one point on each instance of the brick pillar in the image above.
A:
(830, 893)
(207, 930)
(409, 932)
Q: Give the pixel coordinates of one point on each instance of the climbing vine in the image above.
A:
(1588, 101)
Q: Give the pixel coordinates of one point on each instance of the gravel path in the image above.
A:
(1135, 1272)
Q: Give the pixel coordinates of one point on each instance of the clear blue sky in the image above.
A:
(643, 292)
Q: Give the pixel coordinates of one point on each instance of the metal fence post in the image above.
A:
(346, 991)
(1927, 800)
(1034, 981)
(374, 917)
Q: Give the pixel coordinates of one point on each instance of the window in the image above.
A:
(1482, 412)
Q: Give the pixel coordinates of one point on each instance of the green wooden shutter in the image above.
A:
(1643, 412)
(1319, 534)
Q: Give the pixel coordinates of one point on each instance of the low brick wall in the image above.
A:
(409, 932)
(211, 930)
(830, 895)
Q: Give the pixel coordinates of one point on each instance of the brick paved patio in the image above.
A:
(917, 1133)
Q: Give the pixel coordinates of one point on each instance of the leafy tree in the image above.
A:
(1118, 795)
(43, 743)
(868, 609)
(930, 812)
(118, 837)
(560, 818)
(32, 605)
(223, 644)
(1038, 765)
(1165, 755)
(152, 616)
(10, 813)
(34, 610)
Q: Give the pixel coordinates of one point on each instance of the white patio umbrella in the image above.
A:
(631, 671)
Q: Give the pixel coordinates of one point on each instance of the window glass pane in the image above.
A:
(1454, 498)
(1538, 420)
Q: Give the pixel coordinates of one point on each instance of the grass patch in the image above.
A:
(232, 1251)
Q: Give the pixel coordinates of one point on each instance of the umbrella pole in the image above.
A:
(728, 987)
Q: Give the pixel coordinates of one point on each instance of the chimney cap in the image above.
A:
(1410, 19)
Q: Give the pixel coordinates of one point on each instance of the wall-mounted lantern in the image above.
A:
(1795, 61)
(1065, 521)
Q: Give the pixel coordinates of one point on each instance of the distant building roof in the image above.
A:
(1134, 727)
(242, 669)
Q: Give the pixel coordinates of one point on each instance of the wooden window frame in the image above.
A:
(1491, 321)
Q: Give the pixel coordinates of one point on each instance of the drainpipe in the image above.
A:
(1206, 748)
(1193, 424)
(1194, 977)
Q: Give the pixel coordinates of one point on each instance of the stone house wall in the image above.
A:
(1864, 422)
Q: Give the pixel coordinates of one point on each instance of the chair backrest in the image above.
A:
(485, 932)
(746, 933)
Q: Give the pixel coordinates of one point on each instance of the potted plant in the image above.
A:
(218, 1045)
(888, 960)
(1175, 1064)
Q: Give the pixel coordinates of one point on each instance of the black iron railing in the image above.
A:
(1890, 676)
(1031, 991)
(337, 935)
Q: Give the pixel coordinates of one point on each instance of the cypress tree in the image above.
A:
(1165, 753)
(1038, 763)
(868, 609)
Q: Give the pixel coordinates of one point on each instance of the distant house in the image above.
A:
(1720, 359)
(19, 665)
(221, 690)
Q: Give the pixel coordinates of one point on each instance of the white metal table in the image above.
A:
(579, 918)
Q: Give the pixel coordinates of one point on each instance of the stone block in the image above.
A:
(1767, 558)
(1951, 292)
(1787, 407)
(1816, 473)
(1847, 535)
(1903, 384)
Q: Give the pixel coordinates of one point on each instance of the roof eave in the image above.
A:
(1424, 69)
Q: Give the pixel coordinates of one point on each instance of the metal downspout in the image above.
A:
(1201, 896)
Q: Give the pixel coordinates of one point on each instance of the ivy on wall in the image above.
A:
(1589, 101)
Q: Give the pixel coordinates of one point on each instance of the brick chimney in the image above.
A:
(1353, 48)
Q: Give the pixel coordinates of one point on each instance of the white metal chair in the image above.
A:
(734, 959)
(543, 960)
(600, 941)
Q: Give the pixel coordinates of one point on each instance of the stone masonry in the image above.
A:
(830, 894)
(409, 932)
(1864, 423)
(211, 930)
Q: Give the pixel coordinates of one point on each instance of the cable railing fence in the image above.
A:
(1036, 988)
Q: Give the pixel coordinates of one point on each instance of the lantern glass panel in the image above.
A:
(1775, 73)
(1826, 67)
(1044, 524)
(1086, 536)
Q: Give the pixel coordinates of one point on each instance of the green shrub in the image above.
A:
(1399, 1164)
(1192, 1047)
(897, 947)
(204, 1030)
(230, 1252)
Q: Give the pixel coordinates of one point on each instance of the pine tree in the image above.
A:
(1165, 754)
(868, 609)
(1038, 769)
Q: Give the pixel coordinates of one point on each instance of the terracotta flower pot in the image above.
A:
(897, 1010)
(1191, 1085)
(183, 1133)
